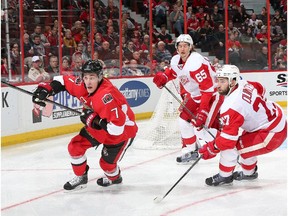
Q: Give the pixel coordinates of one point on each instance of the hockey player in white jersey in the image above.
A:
(263, 124)
(198, 90)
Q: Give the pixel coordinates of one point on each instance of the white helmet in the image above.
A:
(184, 38)
(229, 71)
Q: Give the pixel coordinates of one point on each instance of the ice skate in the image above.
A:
(105, 182)
(219, 180)
(78, 182)
(187, 157)
(239, 176)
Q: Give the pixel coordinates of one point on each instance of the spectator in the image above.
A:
(101, 20)
(86, 55)
(205, 37)
(36, 73)
(132, 69)
(112, 12)
(253, 21)
(164, 35)
(28, 51)
(65, 64)
(15, 56)
(276, 32)
(240, 16)
(234, 47)
(262, 59)
(112, 37)
(98, 41)
(130, 49)
(76, 65)
(216, 63)
(43, 39)
(176, 17)
(160, 13)
(145, 46)
(79, 50)
(68, 40)
(263, 15)
(53, 67)
(262, 37)
(216, 15)
(162, 53)
(248, 37)
(257, 28)
(193, 28)
(106, 53)
(218, 43)
(232, 28)
(189, 12)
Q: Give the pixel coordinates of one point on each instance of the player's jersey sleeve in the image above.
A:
(231, 122)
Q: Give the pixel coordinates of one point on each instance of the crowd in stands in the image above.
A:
(247, 43)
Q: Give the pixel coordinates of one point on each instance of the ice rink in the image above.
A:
(33, 175)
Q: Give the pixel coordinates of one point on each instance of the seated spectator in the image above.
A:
(112, 11)
(176, 18)
(53, 67)
(76, 65)
(52, 37)
(15, 56)
(216, 15)
(206, 38)
(257, 28)
(145, 46)
(160, 13)
(65, 64)
(132, 69)
(112, 37)
(216, 63)
(189, 12)
(232, 28)
(79, 50)
(197, 4)
(164, 35)
(86, 55)
(36, 73)
(38, 31)
(106, 53)
(218, 42)
(68, 40)
(276, 32)
(280, 59)
(253, 21)
(262, 37)
(200, 14)
(234, 48)
(240, 16)
(262, 59)
(162, 53)
(77, 30)
(101, 20)
(98, 40)
(137, 57)
(28, 51)
(130, 49)
(127, 24)
(263, 15)
(248, 37)
(193, 28)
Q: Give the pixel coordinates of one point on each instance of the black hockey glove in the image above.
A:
(44, 90)
(92, 119)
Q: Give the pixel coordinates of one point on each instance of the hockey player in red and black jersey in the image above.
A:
(198, 90)
(108, 120)
(251, 126)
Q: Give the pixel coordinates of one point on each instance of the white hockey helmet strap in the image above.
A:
(231, 72)
(184, 38)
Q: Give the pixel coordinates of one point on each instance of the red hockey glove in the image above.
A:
(200, 118)
(43, 91)
(160, 79)
(208, 150)
(189, 104)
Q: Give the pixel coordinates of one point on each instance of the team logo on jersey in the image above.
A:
(107, 98)
(180, 66)
(183, 79)
(224, 120)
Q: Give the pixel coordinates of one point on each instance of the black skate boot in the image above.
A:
(239, 176)
(78, 182)
(105, 182)
(219, 180)
(185, 158)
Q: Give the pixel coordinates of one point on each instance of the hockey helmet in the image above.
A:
(93, 66)
(231, 72)
(184, 38)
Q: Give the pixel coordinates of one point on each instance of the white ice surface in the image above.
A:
(33, 175)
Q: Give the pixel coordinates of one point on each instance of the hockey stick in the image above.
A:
(46, 99)
(193, 116)
(159, 199)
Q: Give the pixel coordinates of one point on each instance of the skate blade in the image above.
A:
(78, 188)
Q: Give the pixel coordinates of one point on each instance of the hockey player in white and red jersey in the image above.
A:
(198, 90)
(251, 126)
(107, 117)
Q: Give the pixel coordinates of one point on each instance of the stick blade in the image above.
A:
(158, 199)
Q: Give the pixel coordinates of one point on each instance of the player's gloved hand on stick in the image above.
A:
(209, 150)
(92, 119)
(43, 91)
(160, 79)
(200, 118)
